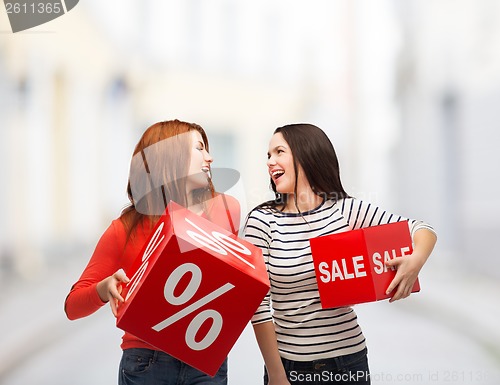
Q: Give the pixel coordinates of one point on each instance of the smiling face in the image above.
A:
(286, 179)
(281, 168)
(200, 160)
(280, 164)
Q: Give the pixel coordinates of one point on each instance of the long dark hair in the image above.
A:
(313, 151)
(158, 172)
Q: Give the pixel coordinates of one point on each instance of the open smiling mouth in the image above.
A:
(206, 170)
(277, 174)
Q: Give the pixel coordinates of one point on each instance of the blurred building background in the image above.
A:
(408, 91)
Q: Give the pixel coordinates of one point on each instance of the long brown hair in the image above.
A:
(158, 171)
(313, 151)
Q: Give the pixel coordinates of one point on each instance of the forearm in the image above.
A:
(423, 244)
(266, 339)
(82, 302)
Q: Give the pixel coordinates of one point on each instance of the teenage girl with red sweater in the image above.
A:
(170, 162)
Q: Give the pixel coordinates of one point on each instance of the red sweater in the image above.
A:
(111, 254)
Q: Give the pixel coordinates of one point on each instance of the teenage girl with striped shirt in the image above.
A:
(301, 343)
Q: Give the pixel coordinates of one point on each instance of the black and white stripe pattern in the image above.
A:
(304, 330)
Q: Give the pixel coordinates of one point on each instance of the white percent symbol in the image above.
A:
(188, 293)
(220, 243)
(153, 244)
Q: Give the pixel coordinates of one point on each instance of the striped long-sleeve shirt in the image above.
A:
(305, 331)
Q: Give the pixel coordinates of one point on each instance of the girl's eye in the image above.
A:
(280, 151)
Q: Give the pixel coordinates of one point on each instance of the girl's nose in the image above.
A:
(208, 157)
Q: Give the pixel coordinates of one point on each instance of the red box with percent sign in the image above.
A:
(350, 266)
(193, 289)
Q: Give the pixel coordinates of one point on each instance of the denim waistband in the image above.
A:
(334, 363)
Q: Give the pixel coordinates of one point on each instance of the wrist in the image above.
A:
(278, 376)
(101, 291)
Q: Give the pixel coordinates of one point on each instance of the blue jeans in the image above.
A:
(348, 369)
(153, 367)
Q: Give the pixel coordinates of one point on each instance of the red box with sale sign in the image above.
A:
(350, 266)
(193, 289)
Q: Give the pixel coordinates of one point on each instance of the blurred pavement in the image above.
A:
(446, 334)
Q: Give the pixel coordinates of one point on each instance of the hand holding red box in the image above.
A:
(350, 266)
(193, 289)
